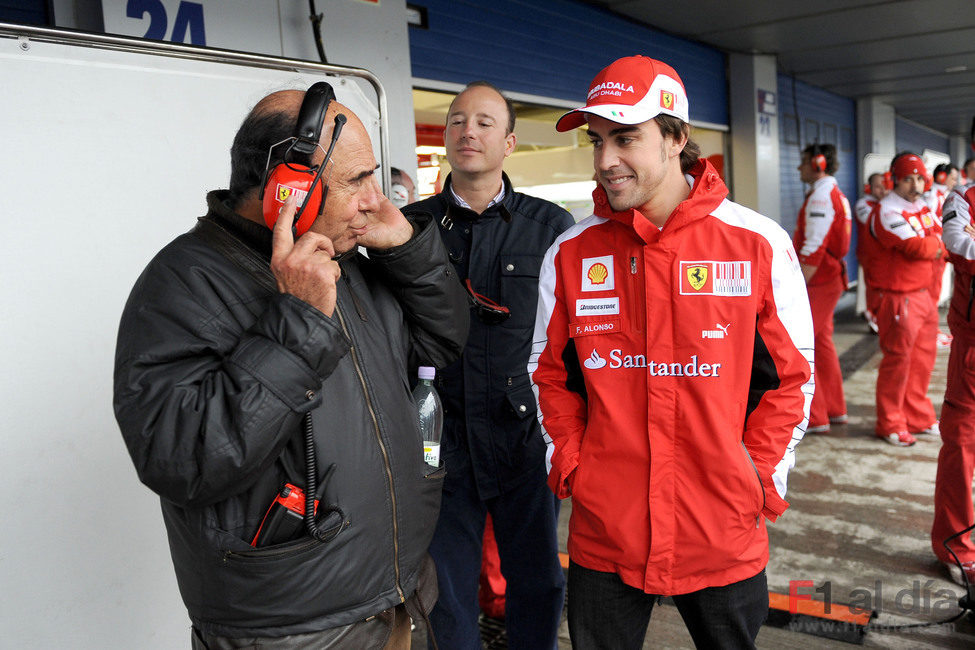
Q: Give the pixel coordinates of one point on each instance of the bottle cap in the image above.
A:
(426, 372)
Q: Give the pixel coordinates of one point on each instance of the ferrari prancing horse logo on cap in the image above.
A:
(667, 100)
(697, 275)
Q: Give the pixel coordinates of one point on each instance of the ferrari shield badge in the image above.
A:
(697, 275)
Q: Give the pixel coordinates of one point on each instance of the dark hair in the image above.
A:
(873, 175)
(968, 161)
(248, 154)
(507, 102)
(395, 174)
(826, 150)
(943, 168)
(678, 129)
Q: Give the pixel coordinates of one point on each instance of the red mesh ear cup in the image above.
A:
(281, 183)
(818, 162)
(888, 181)
(940, 177)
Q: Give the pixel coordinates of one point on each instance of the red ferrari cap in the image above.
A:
(631, 90)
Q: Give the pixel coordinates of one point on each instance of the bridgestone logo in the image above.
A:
(591, 306)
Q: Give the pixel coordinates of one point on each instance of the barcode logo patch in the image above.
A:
(714, 278)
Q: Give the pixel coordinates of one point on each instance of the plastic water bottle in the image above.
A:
(430, 411)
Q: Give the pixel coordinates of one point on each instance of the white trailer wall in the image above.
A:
(107, 156)
(359, 33)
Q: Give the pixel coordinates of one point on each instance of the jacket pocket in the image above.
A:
(272, 553)
(271, 585)
(519, 288)
(521, 400)
(753, 472)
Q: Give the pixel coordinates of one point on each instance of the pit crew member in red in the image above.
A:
(943, 181)
(822, 239)
(672, 354)
(907, 316)
(875, 189)
(956, 461)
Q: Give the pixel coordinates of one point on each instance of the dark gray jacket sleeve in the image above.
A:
(204, 402)
(434, 302)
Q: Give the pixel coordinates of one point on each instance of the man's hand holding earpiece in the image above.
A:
(304, 268)
(387, 227)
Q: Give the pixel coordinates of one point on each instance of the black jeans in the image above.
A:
(606, 614)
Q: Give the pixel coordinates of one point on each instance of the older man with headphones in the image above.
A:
(822, 239)
(254, 363)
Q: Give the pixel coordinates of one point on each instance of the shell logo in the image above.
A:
(597, 273)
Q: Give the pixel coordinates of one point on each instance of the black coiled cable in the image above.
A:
(312, 490)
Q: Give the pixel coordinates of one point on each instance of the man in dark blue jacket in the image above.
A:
(492, 444)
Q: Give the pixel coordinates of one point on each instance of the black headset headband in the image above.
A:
(308, 130)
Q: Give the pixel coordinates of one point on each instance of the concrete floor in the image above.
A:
(859, 519)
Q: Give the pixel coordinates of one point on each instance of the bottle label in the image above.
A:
(431, 453)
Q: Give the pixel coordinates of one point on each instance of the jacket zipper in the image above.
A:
(262, 554)
(971, 299)
(382, 447)
(758, 519)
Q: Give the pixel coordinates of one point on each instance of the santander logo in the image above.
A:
(692, 367)
(594, 362)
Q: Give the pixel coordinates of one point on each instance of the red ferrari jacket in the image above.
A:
(959, 211)
(822, 235)
(866, 242)
(672, 370)
(907, 235)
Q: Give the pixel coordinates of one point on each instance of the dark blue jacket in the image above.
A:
(489, 408)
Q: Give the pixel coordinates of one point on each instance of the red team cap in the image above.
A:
(631, 90)
(906, 165)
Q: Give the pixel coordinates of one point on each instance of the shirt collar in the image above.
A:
(462, 203)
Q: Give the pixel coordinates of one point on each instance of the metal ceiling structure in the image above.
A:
(917, 56)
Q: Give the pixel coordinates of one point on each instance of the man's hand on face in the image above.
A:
(304, 268)
(386, 227)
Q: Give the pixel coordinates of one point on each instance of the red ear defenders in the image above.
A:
(940, 177)
(294, 174)
(818, 162)
(887, 181)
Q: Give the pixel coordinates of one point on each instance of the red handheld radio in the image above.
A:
(284, 520)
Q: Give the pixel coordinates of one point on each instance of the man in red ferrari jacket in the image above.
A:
(907, 316)
(671, 361)
(822, 239)
(875, 190)
(956, 463)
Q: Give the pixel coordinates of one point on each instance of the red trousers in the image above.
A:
(490, 596)
(828, 400)
(908, 327)
(956, 462)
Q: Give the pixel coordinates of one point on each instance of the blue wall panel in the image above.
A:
(910, 137)
(824, 117)
(553, 48)
(24, 12)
